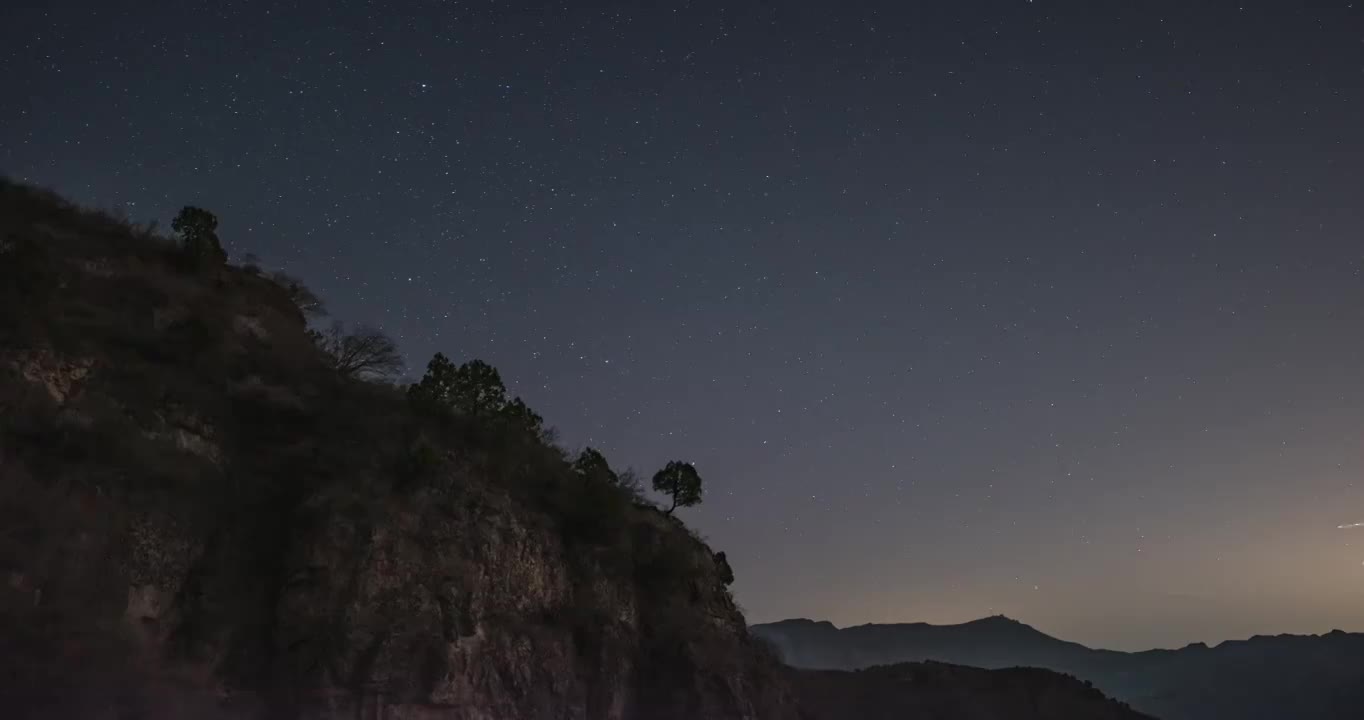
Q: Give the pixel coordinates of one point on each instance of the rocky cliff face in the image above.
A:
(200, 518)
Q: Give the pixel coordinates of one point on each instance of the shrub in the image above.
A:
(197, 229)
(722, 567)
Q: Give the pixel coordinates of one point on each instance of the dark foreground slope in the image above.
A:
(1320, 677)
(199, 517)
(936, 691)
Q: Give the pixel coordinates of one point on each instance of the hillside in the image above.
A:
(936, 691)
(1260, 678)
(200, 516)
(197, 507)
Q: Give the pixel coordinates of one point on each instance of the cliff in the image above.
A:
(201, 517)
(198, 512)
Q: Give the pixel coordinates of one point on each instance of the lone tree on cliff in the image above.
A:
(198, 231)
(680, 481)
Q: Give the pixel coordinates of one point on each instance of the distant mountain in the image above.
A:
(1263, 678)
(938, 691)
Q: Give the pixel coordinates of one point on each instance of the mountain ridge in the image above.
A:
(1005, 619)
(1197, 681)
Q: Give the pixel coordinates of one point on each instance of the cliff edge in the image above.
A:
(202, 516)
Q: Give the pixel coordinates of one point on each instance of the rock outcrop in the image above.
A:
(197, 513)
(200, 517)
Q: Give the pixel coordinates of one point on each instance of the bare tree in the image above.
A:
(364, 352)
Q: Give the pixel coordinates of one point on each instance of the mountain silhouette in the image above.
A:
(939, 691)
(1264, 677)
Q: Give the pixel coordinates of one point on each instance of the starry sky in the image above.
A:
(1050, 309)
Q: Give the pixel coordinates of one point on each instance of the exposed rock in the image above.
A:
(62, 377)
(231, 519)
(235, 530)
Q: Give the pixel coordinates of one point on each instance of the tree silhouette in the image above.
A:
(477, 390)
(592, 466)
(197, 229)
(436, 386)
(680, 481)
(722, 567)
(519, 415)
(474, 390)
(365, 352)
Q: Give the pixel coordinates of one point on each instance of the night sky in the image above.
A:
(1049, 309)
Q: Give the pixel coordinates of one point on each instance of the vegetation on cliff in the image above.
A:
(198, 492)
(208, 509)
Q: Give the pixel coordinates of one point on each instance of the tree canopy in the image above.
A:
(364, 352)
(197, 229)
(592, 466)
(473, 390)
(680, 481)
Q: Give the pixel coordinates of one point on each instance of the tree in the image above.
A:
(365, 352)
(436, 385)
(680, 481)
(722, 567)
(474, 390)
(592, 467)
(519, 415)
(197, 229)
(478, 391)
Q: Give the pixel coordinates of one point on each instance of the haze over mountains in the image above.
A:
(1264, 677)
